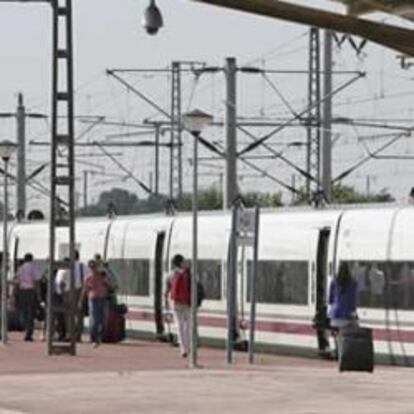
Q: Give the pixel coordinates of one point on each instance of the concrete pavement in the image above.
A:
(146, 377)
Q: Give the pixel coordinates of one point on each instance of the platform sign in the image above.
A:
(246, 227)
(246, 221)
(244, 232)
(246, 240)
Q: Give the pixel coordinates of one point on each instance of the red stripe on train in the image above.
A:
(283, 327)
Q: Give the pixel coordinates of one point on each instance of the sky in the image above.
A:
(108, 34)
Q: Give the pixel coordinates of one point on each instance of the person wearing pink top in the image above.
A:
(96, 287)
(28, 280)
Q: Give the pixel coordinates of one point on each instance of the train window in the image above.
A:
(280, 282)
(384, 284)
(209, 273)
(132, 276)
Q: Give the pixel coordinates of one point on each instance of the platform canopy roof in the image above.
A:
(402, 8)
(353, 20)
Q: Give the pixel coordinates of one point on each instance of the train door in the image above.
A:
(321, 288)
(158, 282)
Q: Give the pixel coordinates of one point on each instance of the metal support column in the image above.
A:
(326, 153)
(314, 114)
(230, 190)
(231, 290)
(157, 158)
(85, 189)
(194, 258)
(5, 260)
(62, 200)
(21, 158)
(176, 176)
(253, 285)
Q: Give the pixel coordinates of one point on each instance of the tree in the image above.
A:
(212, 199)
(120, 200)
(254, 198)
(123, 202)
(344, 194)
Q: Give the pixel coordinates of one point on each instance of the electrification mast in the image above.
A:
(314, 115)
(62, 200)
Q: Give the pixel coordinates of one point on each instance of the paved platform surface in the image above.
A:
(149, 377)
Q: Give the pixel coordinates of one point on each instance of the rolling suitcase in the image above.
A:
(14, 320)
(114, 330)
(355, 349)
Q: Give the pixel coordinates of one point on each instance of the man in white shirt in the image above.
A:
(28, 281)
(62, 284)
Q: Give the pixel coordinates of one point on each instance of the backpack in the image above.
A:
(180, 291)
(201, 294)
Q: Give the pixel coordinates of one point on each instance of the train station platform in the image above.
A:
(149, 377)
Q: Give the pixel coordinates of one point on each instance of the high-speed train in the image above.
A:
(298, 253)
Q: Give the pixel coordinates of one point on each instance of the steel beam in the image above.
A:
(393, 37)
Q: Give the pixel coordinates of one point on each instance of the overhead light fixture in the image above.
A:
(196, 120)
(152, 20)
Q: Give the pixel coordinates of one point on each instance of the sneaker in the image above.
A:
(28, 339)
(95, 345)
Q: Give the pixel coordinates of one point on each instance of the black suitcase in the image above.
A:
(355, 349)
(14, 320)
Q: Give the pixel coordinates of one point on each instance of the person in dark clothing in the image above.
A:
(342, 298)
(28, 280)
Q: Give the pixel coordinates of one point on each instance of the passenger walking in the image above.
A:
(99, 262)
(178, 289)
(342, 298)
(62, 283)
(80, 274)
(95, 287)
(27, 280)
(62, 290)
(43, 304)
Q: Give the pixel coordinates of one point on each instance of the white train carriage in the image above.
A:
(137, 252)
(378, 245)
(298, 253)
(294, 250)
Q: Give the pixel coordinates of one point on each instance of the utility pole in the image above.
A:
(230, 190)
(314, 115)
(21, 116)
(157, 159)
(326, 150)
(159, 129)
(85, 189)
(368, 185)
(62, 177)
(176, 179)
(21, 157)
(293, 185)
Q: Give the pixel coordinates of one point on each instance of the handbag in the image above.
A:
(85, 306)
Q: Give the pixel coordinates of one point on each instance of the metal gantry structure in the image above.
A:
(176, 169)
(62, 159)
(62, 177)
(21, 180)
(314, 115)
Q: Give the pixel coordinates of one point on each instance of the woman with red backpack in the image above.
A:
(179, 292)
